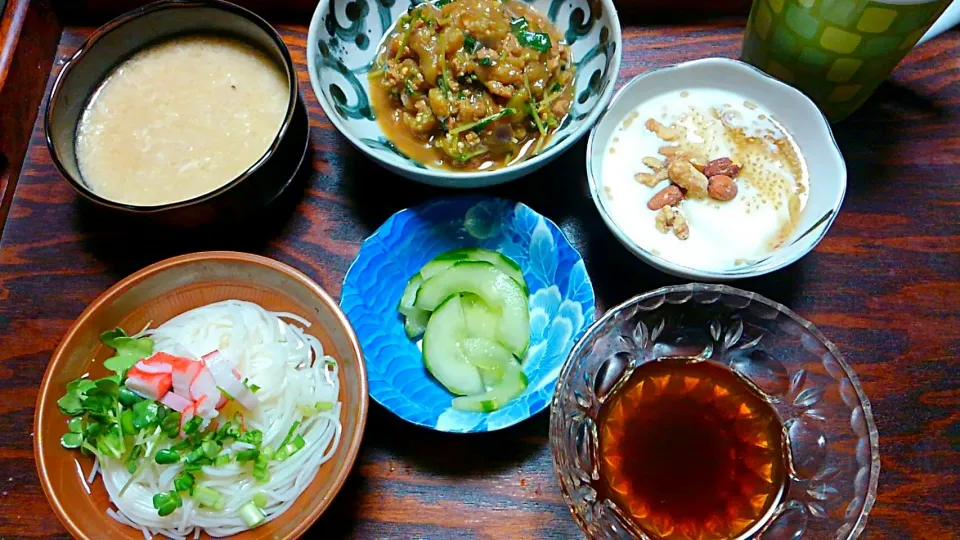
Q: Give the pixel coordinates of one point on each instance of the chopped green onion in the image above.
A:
(291, 448)
(485, 62)
(184, 482)
(192, 425)
(538, 41)
(195, 455)
(167, 502)
(247, 455)
(409, 87)
(166, 457)
(324, 406)
(556, 86)
(170, 425)
(260, 499)
(209, 498)
(254, 437)
(290, 432)
(479, 125)
(267, 453)
(251, 515)
(221, 460)
(210, 448)
(226, 394)
(261, 474)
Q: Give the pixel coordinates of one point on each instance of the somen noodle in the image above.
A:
(294, 377)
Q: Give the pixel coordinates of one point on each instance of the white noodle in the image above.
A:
(93, 471)
(291, 370)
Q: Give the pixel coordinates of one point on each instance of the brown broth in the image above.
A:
(690, 450)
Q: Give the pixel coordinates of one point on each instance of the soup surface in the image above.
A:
(179, 119)
(472, 84)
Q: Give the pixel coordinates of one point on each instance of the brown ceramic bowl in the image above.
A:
(114, 42)
(158, 293)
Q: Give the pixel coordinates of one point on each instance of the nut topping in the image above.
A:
(722, 166)
(668, 196)
(722, 188)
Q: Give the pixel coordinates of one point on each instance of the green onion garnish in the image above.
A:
(184, 482)
(166, 457)
(209, 498)
(251, 515)
(244, 456)
(260, 499)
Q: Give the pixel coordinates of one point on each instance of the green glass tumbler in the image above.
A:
(835, 51)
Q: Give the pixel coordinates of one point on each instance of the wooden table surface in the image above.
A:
(884, 286)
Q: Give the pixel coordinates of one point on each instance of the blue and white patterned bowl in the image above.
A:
(561, 304)
(342, 46)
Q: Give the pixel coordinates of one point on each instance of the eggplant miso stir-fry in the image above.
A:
(472, 84)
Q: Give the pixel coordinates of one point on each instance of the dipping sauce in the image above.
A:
(472, 84)
(180, 119)
(719, 223)
(688, 449)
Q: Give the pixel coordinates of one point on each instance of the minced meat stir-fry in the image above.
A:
(472, 84)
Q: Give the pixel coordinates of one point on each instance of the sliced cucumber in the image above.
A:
(513, 384)
(415, 324)
(490, 357)
(409, 296)
(494, 287)
(447, 259)
(443, 357)
(482, 321)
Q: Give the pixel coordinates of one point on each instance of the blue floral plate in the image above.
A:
(561, 304)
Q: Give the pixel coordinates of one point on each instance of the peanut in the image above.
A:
(668, 196)
(722, 187)
(722, 166)
(688, 177)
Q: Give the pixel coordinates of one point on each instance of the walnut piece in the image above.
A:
(651, 179)
(680, 227)
(664, 219)
(664, 132)
(687, 176)
(653, 163)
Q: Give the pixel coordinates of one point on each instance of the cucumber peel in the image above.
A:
(513, 384)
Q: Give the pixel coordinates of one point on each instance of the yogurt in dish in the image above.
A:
(661, 184)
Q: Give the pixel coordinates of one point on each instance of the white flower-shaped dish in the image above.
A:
(342, 46)
(793, 110)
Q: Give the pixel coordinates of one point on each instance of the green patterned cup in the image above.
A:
(835, 51)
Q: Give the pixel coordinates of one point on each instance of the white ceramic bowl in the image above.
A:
(798, 115)
(342, 45)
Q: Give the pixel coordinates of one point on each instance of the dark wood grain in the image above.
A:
(884, 286)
